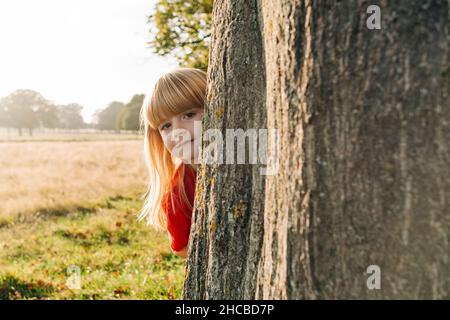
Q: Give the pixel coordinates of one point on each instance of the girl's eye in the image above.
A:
(164, 126)
(190, 114)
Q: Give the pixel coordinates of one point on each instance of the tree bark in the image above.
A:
(226, 235)
(364, 176)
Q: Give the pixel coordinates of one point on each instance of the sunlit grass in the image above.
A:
(38, 176)
(118, 257)
(75, 203)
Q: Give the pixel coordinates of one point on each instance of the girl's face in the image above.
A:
(181, 134)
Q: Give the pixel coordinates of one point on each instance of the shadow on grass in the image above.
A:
(89, 239)
(165, 262)
(71, 211)
(12, 288)
(75, 212)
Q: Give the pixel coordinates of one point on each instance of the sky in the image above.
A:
(90, 52)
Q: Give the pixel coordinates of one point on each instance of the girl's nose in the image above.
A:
(176, 125)
(179, 132)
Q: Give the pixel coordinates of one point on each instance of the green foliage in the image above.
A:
(22, 108)
(128, 118)
(182, 29)
(70, 116)
(29, 109)
(48, 116)
(106, 118)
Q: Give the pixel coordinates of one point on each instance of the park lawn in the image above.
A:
(40, 176)
(118, 257)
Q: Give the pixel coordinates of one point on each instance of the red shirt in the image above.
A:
(179, 214)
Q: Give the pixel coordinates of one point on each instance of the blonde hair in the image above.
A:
(174, 93)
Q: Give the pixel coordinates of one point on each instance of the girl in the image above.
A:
(172, 134)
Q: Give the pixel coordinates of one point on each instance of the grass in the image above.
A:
(70, 206)
(118, 257)
(37, 177)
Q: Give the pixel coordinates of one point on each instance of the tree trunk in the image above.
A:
(226, 235)
(364, 175)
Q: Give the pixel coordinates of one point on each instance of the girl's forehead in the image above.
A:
(166, 105)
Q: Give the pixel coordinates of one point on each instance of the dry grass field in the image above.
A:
(73, 202)
(44, 175)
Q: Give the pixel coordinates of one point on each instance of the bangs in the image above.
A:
(173, 94)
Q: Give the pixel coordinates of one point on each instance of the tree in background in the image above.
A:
(106, 119)
(29, 109)
(22, 109)
(182, 29)
(48, 116)
(70, 116)
(128, 118)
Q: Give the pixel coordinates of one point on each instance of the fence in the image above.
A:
(46, 131)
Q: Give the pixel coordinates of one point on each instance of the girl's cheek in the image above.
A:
(197, 129)
(166, 140)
